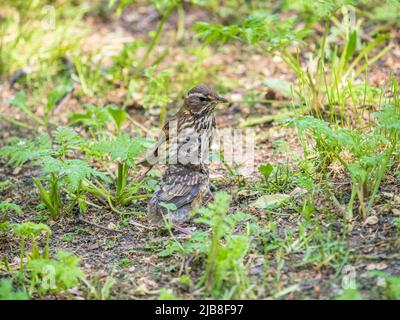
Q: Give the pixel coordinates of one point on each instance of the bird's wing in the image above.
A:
(180, 188)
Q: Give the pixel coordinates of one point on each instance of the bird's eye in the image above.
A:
(202, 98)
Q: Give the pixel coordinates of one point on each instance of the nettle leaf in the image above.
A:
(6, 206)
(95, 117)
(67, 138)
(73, 171)
(20, 150)
(30, 229)
(123, 148)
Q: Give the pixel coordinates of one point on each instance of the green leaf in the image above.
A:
(119, 115)
(73, 171)
(95, 117)
(67, 138)
(7, 291)
(266, 170)
(351, 45)
(349, 294)
(19, 100)
(168, 206)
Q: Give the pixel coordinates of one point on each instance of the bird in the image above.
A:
(185, 182)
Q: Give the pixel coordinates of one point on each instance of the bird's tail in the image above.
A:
(157, 213)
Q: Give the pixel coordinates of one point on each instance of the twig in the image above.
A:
(137, 224)
(98, 226)
(183, 230)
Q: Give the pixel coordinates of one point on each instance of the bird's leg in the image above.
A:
(141, 177)
(209, 196)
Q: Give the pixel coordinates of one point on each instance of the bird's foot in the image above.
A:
(209, 197)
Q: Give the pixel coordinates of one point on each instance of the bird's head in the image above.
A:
(202, 99)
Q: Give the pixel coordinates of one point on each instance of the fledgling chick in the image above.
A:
(185, 181)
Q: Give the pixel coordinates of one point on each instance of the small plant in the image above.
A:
(32, 231)
(225, 273)
(223, 250)
(6, 206)
(8, 293)
(349, 294)
(365, 156)
(37, 268)
(58, 172)
(166, 294)
(54, 275)
(392, 284)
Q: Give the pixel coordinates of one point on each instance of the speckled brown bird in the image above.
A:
(195, 117)
(185, 181)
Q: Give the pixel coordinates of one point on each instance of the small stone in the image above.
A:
(371, 220)
(111, 226)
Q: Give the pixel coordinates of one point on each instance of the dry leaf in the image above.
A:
(396, 212)
(376, 266)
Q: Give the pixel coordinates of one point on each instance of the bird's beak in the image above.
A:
(221, 99)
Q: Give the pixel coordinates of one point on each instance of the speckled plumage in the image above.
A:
(185, 187)
(185, 182)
